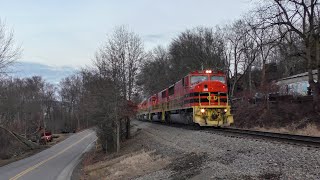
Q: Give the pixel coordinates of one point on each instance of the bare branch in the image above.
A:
(9, 53)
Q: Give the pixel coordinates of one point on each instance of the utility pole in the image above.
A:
(250, 81)
(44, 127)
(117, 123)
(78, 122)
(117, 128)
(118, 136)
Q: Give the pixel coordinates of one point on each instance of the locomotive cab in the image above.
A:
(210, 102)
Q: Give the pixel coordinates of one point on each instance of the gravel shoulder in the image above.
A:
(162, 152)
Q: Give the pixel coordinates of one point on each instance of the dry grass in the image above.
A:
(308, 130)
(126, 166)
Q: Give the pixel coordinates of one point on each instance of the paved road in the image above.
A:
(56, 162)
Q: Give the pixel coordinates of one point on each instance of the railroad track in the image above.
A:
(310, 141)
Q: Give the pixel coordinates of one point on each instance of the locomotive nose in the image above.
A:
(212, 86)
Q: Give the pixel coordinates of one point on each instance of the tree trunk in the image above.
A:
(312, 83)
(250, 83)
(235, 76)
(234, 84)
(263, 75)
(128, 127)
(316, 98)
(118, 137)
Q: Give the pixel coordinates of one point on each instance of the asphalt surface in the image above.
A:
(56, 162)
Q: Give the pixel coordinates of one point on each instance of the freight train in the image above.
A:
(200, 98)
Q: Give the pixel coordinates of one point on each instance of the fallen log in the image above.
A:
(21, 139)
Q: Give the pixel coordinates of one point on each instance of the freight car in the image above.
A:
(200, 98)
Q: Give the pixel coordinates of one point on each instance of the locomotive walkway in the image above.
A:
(56, 162)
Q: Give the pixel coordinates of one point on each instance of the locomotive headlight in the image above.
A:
(225, 110)
(202, 110)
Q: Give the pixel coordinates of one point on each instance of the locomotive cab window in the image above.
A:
(164, 94)
(171, 90)
(196, 79)
(218, 78)
(185, 81)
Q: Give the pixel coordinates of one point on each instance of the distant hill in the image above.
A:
(52, 74)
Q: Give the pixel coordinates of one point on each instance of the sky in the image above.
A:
(68, 32)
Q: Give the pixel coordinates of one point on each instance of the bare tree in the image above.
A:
(235, 36)
(120, 58)
(289, 54)
(118, 61)
(301, 18)
(157, 63)
(250, 51)
(198, 48)
(265, 39)
(28, 104)
(70, 93)
(9, 52)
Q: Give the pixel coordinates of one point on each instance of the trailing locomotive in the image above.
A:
(200, 98)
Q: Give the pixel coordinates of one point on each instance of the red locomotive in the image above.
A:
(200, 98)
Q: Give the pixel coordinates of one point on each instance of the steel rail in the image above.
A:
(310, 141)
(291, 138)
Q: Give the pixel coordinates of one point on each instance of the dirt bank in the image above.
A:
(282, 117)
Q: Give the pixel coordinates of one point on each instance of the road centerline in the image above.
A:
(46, 160)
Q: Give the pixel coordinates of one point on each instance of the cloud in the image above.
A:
(52, 74)
(155, 37)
